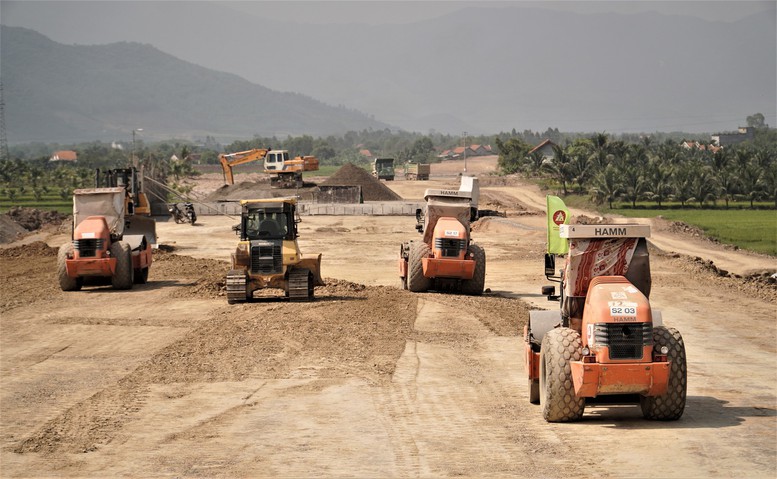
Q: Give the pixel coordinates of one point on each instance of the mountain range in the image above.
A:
(69, 93)
(480, 70)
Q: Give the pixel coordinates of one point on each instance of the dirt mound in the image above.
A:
(205, 278)
(372, 189)
(10, 230)
(32, 250)
(686, 229)
(504, 203)
(29, 275)
(587, 220)
(259, 189)
(762, 284)
(33, 219)
(496, 224)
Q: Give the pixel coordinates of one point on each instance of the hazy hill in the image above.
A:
(479, 69)
(65, 93)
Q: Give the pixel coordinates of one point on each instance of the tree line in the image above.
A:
(611, 170)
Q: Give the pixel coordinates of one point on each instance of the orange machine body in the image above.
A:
(617, 333)
(617, 329)
(91, 256)
(449, 251)
(92, 238)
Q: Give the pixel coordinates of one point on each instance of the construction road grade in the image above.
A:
(167, 380)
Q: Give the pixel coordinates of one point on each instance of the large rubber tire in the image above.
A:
(123, 275)
(66, 283)
(557, 392)
(416, 281)
(475, 285)
(670, 405)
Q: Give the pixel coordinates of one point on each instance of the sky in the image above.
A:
(679, 82)
(376, 12)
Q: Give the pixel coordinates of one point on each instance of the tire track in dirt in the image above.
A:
(454, 400)
(363, 329)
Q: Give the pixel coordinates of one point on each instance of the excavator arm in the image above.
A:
(229, 160)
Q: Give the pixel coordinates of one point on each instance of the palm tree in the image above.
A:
(534, 163)
(600, 154)
(751, 182)
(606, 186)
(703, 187)
(728, 184)
(659, 181)
(579, 168)
(769, 181)
(682, 183)
(634, 184)
(560, 168)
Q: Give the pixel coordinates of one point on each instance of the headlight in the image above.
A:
(664, 349)
(586, 351)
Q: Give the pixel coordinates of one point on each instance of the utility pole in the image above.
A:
(464, 141)
(133, 160)
(3, 138)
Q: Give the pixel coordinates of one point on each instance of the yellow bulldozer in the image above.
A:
(268, 255)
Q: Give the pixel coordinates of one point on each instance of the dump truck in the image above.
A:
(417, 171)
(268, 255)
(284, 172)
(445, 259)
(383, 169)
(112, 235)
(605, 339)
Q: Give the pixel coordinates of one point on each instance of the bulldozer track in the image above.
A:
(300, 285)
(236, 286)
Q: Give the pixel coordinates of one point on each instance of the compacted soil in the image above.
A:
(368, 380)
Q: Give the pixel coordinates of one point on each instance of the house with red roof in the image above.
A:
(64, 155)
(545, 148)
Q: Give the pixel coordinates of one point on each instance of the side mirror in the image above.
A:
(550, 264)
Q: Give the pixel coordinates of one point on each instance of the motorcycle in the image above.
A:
(191, 216)
(176, 213)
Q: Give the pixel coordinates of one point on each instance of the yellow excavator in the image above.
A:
(284, 172)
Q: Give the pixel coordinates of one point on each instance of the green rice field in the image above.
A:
(754, 230)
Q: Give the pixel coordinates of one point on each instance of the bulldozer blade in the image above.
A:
(313, 263)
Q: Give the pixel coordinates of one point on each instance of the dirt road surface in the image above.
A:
(167, 380)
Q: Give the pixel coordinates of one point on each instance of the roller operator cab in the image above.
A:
(605, 340)
(445, 259)
(268, 255)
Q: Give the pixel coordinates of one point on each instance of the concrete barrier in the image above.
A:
(370, 208)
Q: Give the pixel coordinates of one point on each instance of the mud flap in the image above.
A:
(540, 322)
